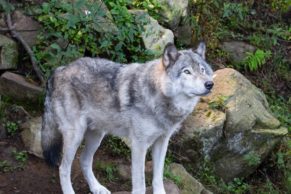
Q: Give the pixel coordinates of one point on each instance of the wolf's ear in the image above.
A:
(201, 49)
(170, 55)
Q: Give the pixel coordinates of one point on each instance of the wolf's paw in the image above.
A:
(101, 190)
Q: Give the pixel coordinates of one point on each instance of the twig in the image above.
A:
(26, 47)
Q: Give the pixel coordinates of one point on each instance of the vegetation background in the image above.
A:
(69, 33)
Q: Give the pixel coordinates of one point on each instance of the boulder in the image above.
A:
(8, 53)
(16, 86)
(170, 188)
(31, 136)
(175, 16)
(26, 26)
(173, 11)
(124, 171)
(189, 183)
(155, 37)
(229, 125)
(237, 50)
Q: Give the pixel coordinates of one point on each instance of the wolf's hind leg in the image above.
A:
(92, 142)
(71, 143)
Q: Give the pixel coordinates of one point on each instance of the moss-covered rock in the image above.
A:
(155, 36)
(8, 53)
(229, 125)
(188, 183)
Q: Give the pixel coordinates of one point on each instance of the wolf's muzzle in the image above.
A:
(208, 85)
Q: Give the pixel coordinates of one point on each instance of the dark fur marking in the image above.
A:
(50, 84)
(131, 90)
(110, 76)
(152, 87)
(52, 154)
(78, 97)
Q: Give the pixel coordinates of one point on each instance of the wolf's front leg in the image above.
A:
(158, 154)
(138, 154)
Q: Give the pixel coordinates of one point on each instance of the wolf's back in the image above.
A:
(51, 138)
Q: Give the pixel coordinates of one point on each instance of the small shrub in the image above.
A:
(237, 186)
(235, 13)
(73, 30)
(152, 6)
(255, 60)
(12, 128)
(5, 166)
(20, 156)
(218, 103)
(108, 169)
(117, 147)
(252, 159)
(169, 175)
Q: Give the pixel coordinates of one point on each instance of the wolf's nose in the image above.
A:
(208, 85)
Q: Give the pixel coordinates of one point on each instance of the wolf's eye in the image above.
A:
(202, 70)
(187, 71)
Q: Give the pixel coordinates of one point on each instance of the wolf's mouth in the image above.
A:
(202, 94)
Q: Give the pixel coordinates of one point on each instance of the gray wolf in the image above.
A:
(92, 97)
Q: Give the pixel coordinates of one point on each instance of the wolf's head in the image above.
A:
(186, 72)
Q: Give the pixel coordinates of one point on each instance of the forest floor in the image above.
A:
(34, 176)
(24, 173)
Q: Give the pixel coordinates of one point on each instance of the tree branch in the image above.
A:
(26, 47)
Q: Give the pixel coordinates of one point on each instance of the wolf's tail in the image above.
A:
(51, 138)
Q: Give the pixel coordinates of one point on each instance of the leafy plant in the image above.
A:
(152, 6)
(169, 175)
(237, 186)
(280, 110)
(280, 31)
(11, 127)
(117, 147)
(5, 166)
(235, 13)
(255, 60)
(108, 169)
(20, 156)
(207, 175)
(218, 103)
(252, 159)
(6, 6)
(72, 30)
(281, 5)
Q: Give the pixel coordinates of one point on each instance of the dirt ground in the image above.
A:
(36, 177)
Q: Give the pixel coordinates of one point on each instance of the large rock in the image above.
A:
(8, 53)
(229, 125)
(189, 184)
(170, 188)
(237, 50)
(175, 16)
(15, 86)
(26, 26)
(31, 136)
(155, 37)
(173, 11)
(124, 171)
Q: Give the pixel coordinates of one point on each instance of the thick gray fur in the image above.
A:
(92, 97)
